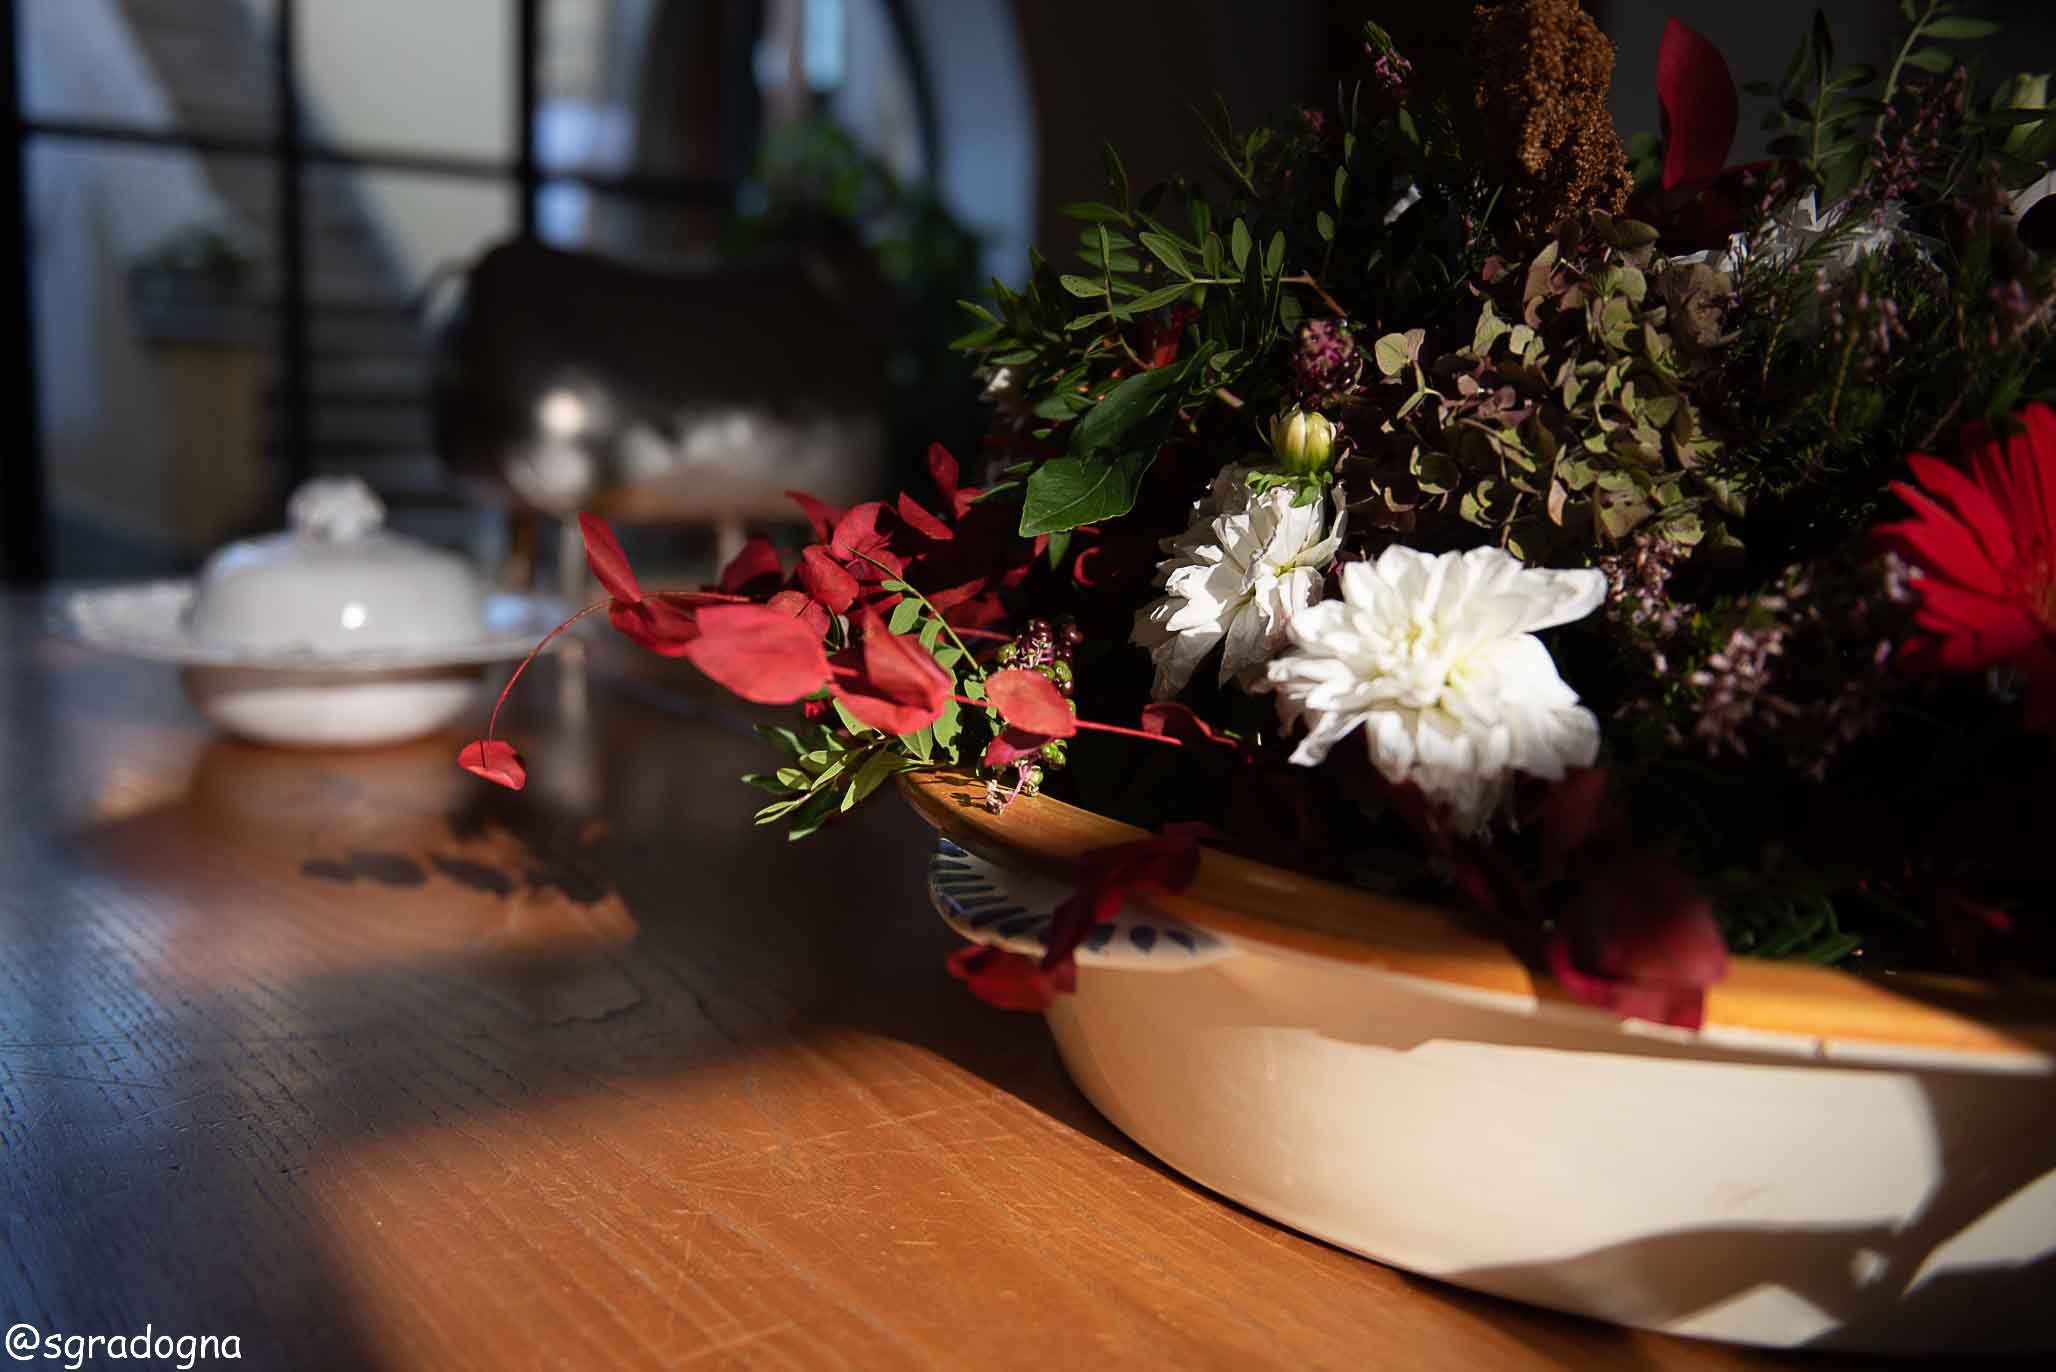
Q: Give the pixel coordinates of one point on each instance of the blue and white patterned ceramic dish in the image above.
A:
(1007, 909)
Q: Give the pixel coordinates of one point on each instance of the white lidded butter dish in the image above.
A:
(335, 633)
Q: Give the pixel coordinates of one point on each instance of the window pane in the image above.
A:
(202, 65)
(155, 345)
(376, 241)
(421, 76)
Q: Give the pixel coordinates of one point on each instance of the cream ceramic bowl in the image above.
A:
(1832, 1161)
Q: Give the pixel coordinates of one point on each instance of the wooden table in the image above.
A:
(372, 1065)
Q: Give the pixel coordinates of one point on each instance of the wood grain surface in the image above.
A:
(372, 1065)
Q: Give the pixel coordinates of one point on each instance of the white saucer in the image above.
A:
(148, 620)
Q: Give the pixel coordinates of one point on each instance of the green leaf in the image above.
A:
(1092, 212)
(1324, 225)
(1274, 256)
(904, 616)
(1238, 245)
(948, 725)
(1156, 299)
(1068, 491)
(1164, 250)
(1341, 184)
(1059, 544)
(1117, 175)
(1959, 29)
(931, 634)
(1084, 287)
(812, 814)
(1120, 410)
(1932, 60)
(979, 310)
(870, 776)
(1391, 353)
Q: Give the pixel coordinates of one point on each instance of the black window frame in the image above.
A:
(24, 519)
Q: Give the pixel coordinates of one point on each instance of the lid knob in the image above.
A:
(336, 509)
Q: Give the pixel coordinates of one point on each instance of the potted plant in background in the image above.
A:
(1499, 697)
(193, 299)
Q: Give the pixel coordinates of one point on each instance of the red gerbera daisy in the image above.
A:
(1984, 544)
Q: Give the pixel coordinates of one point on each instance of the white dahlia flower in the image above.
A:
(1436, 660)
(1235, 578)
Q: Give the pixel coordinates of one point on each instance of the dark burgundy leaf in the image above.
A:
(603, 554)
(921, 521)
(1012, 745)
(1031, 702)
(1009, 980)
(659, 623)
(759, 653)
(802, 607)
(819, 514)
(755, 570)
(889, 681)
(826, 580)
(496, 761)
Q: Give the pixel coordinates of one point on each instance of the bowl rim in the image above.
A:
(1256, 902)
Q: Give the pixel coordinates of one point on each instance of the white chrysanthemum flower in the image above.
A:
(1436, 660)
(1236, 577)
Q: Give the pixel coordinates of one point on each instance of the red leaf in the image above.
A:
(922, 521)
(755, 570)
(1640, 939)
(603, 554)
(1173, 720)
(657, 622)
(822, 516)
(863, 546)
(759, 653)
(1107, 876)
(942, 466)
(802, 607)
(1012, 745)
(496, 761)
(826, 580)
(1030, 701)
(1009, 980)
(888, 681)
(1700, 109)
(1574, 813)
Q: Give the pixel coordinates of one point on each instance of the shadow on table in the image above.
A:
(336, 951)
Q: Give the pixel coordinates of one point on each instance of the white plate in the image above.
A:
(148, 620)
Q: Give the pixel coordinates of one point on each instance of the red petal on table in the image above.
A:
(1009, 980)
(826, 580)
(496, 761)
(942, 466)
(1031, 702)
(892, 684)
(755, 570)
(759, 653)
(822, 516)
(657, 623)
(1700, 108)
(863, 545)
(921, 521)
(603, 554)
(802, 607)
(1012, 745)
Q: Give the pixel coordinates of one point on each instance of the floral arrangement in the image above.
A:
(1659, 554)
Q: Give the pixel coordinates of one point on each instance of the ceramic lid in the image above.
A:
(336, 581)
